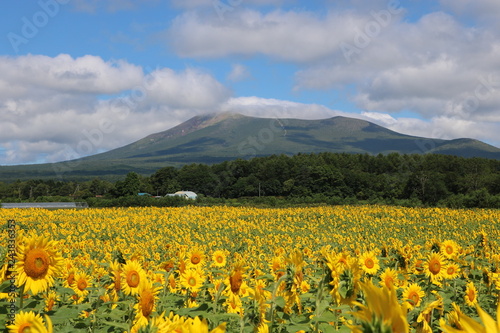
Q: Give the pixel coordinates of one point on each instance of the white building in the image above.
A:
(186, 194)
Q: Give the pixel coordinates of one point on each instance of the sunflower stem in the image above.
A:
(21, 297)
(319, 298)
(273, 302)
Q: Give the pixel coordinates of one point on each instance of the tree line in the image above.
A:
(417, 180)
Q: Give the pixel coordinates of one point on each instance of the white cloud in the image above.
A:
(484, 11)
(52, 108)
(290, 36)
(238, 72)
(270, 107)
(64, 74)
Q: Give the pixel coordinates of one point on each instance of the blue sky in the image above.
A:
(81, 77)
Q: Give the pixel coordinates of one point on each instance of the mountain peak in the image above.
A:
(219, 136)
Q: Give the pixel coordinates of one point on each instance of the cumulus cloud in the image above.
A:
(62, 107)
(290, 36)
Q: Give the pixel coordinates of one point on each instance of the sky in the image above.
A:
(80, 77)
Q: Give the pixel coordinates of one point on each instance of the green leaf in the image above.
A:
(280, 301)
(116, 324)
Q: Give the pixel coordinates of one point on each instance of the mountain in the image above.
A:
(213, 138)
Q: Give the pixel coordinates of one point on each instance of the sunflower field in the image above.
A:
(230, 269)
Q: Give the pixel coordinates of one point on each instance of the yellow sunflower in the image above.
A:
(451, 271)
(192, 279)
(116, 273)
(470, 294)
(235, 281)
(233, 304)
(197, 325)
(81, 285)
(147, 303)
(38, 261)
(196, 259)
(389, 278)
(469, 325)
(219, 258)
(50, 300)
(131, 278)
(277, 266)
(30, 322)
(69, 279)
(413, 294)
(172, 285)
(434, 268)
(382, 312)
(449, 249)
(369, 263)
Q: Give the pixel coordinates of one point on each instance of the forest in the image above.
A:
(329, 178)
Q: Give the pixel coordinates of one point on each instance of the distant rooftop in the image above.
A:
(52, 205)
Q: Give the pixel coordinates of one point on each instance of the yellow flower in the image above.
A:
(469, 325)
(219, 258)
(470, 294)
(30, 322)
(381, 312)
(116, 272)
(82, 282)
(196, 259)
(201, 326)
(413, 294)
(235, 281)
(434, 268)
(451, 271)
(38, 262)
(449, 249)
(147, 302)
(424, 318)
(369, 263)
(50, 300)
(132, 277)
(192, 279)
(389, 278)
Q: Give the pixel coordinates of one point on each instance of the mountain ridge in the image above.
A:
(216, 137)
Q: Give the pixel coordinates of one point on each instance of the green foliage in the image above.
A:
(277, 180)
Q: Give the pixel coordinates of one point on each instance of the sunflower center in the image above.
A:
(172, 283)
(36, 263)
(450, 270)
(25, 328)
(389, 281)
(147, 303)
(195, 259)
(236, 280)
(435, 267)
(82, 284)
(472, 295)
(70, 279)
(220, 259)
(414, 298)
(50, 304)
(369, 263)
(192, 281)
(133, 279)
(117, 281)
(449, 249)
